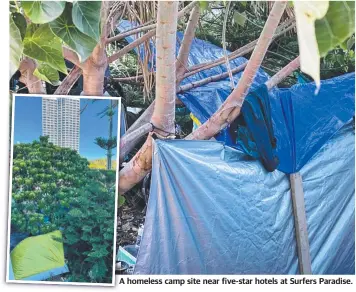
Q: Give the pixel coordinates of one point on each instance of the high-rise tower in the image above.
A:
(61, 121)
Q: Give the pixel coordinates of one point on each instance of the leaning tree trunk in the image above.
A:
(142, 162)
(164, 108)
(230, 109)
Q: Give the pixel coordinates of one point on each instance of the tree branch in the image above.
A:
(184, 50)
(207, 80)
(69, 81)
(282, 29)
(71, 56)
(33, 83)
(131, 46)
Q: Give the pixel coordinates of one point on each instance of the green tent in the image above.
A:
(38, 258)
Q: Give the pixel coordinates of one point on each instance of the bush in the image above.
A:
(45, 177)
(53, 188)
(89, 229)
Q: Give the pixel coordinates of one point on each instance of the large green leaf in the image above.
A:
(64, 28)
(43, 11)
(20, 22)
(43, 45)
(16, 47)
(336, 26)
(47, 73)
(306, 13)
(86, 17)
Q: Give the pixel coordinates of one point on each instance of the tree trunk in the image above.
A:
(94, 72)
(164, 108)
(128, 140)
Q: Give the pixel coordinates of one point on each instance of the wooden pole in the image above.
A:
(300, 223)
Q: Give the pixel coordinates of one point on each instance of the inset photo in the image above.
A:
(63, 189)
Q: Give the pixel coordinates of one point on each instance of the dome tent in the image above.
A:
(38, 258)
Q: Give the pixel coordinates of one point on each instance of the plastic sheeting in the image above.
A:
(214, 211)
(39, 257)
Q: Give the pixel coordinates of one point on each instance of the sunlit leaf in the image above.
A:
(64, 28)
(86, 17)
(43, 11)
(47, 73)
(43, 45)
(336, 26)
(16, 47)
(306, 14)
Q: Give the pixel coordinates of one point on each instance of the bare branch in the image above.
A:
(131, 46)
(71, 56)
(283, 73)
(207, 80)
(282, 29)
(184, 50)
(69, 81)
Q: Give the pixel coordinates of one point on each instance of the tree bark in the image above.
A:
(94, 72)
(34, 84)
(164, 108)
(207, 80)
(68, 81)
(184, 50)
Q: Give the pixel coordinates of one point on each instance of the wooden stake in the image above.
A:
(300, 223)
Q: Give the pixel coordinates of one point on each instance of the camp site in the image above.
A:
(236, 151)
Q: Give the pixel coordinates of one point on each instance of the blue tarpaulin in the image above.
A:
(214, 211)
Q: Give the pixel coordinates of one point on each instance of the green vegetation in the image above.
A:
(53, 188)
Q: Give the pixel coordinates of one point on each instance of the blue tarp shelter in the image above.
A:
(214, 210)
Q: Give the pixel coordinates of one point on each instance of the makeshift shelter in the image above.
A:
(213, 209)
(38, 258)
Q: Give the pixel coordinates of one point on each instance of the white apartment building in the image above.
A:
(61, 121)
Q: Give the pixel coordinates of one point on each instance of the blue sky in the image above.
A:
(28, 124)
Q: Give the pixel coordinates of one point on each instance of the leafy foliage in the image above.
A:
(336, 26)
(45, 176)
(64, 28)
(52, 24)
(16, 47)
(86, 17)
(52, 189)
(43, 45)
(89, 229)
(43, 11)
(47, 73)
